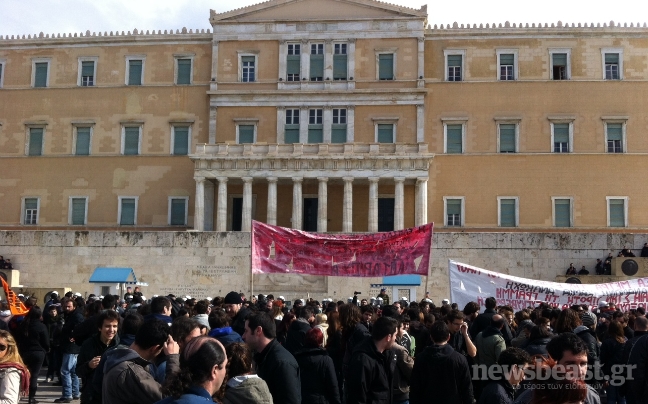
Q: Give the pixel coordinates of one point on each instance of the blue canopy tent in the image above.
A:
(397, 282)
(119, 276)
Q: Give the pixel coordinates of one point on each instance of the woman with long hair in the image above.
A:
(319, 383)
(33, 344)
(334, 345)
(612, 354)
(243, 385)
(14, 376)
(353, 332)
(202, 371)
(284, 325)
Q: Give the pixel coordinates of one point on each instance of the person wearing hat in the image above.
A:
(384, 296)
(233, 307)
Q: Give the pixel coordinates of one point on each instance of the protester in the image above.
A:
(319, 383)
(243, 385)
(237, 314)
(220, 329)
(202, 372)
(70, 381)
(513, 362)
(553, 388)
(14, 376)
(298, 329)
(611, 358)
(33, 343)
(54, 323)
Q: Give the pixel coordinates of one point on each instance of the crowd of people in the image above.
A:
(5, 263)
(604, 266)
(107, 349)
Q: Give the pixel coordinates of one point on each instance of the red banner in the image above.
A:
(282, 250)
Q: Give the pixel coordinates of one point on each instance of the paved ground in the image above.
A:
(46, 393)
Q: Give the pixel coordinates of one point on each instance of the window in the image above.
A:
(78, 212)
(291, 134)
(617, 211)
(31, 207)
(339, 126)
(317, 62)
(131, 140)
(127, 214)
(612, 63)
(87, 71)
(248, 68)
(2, 69)
(454, 134)
(385, 66)
(134, 71)
(508, 211)
(562, 211)
(40, 77)
(560, 64)
(507, 64)
(507, 137)
(614, 137)
(340, 61)
(183, 70)
(561, 134)
(246, 134)
(453, 211)
(386, 213)
(385, 132)
(180, 142)
(315, 126)
(35, 142)
(454, 64)
(293, 62)
(178, 207)
(82, 140)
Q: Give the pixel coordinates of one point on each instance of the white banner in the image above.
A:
(473, 284)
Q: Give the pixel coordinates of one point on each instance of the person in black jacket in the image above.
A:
(275, 365)
(298, 329)
(70, 350)
(319, 383)
(54, 323)
(484, 319)
(92, 350)
(33, 343)
(441, 372)
(233, 307)
(502, 391)
(372, 365)
(635, 354)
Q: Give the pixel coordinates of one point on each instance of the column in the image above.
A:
(298, 201)
(212, 124)
(347, 206)
(322, 204)
(281, 124)
(421, 201)
(305, 61)
(221, 213)
(350, 124)
(421, 63)
(327, 120)
(209, 206)
(303, 125)
(373, 205)
(272, 201)
(246, 224)
(399, 206)
(283, 54)
(214, 68)
(351, 67)
(328, 60)
(420, 123)
(199, 213)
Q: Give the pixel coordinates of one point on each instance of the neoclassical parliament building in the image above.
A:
(328, 116)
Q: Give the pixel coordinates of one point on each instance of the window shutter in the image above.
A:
(178, 212)
(559, 59)
(83, 142)
(617, 213)
(36, 141)
(611, 58)
(292, 134)
(134, 72)
(87, 69)
(507, 138)
(563, 212)
(78, 211)
(315, 133)
(127, 212)
(614, 131)
(40, 75)
(293, 64)
(180, 140)
(386, 66)
(506, 59)
(340, 67)
(453, 206)
(454, 141)
(184, 71)
(131, 140)
(338, 133)
(246, 134)
(507, 212)
(561, 133)
(454, 60)
(385, 133)
(316, 66)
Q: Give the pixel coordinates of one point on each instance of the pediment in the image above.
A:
(310, 10)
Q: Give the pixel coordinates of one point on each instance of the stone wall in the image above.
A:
(204, 264)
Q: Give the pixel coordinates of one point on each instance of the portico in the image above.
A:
(326, 168)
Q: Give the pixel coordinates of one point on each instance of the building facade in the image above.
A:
(329, 116)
